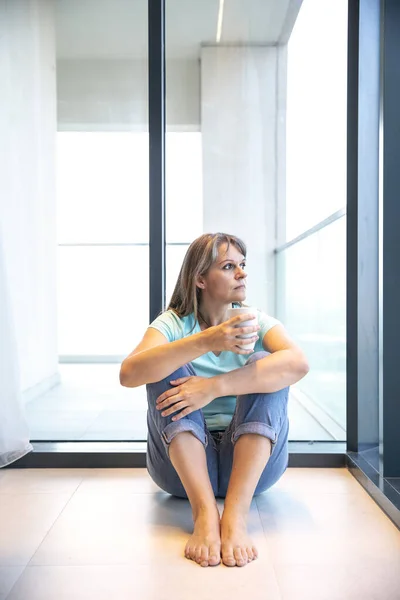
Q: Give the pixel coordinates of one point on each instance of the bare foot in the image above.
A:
(204, 546)
(237, 547)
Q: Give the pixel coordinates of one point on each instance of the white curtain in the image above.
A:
(14, 433)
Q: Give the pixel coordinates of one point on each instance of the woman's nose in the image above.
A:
(241, 274)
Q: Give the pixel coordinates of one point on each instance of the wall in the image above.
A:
(112, 95)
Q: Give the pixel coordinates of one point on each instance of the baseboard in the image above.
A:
(113, 455)
(379, 488)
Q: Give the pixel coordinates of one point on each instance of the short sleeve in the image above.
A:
(266, 323)
(169, 324)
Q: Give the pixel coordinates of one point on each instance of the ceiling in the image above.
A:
(117, 29)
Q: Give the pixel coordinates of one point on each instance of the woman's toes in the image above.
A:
(228, 559)
(202, 556)
(197, 555)
(190, 552)
(249, 554)
(240, 559)
(214, 556)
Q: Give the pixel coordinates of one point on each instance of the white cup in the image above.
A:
(245, 310)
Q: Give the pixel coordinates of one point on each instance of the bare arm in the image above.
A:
(155, 358)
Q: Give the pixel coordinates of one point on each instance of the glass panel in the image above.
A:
(89, 404)
(102, 223)
(184, 194)
(103, 296)
(316, 115)
(222, 68)
(312, 304)
(102, 187)
(226, 73)
(102, 176)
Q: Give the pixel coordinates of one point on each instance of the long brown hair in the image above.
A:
(200, 256)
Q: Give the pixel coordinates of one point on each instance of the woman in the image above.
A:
(217, 418)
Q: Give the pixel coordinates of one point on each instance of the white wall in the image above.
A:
(242, 115)
(27, 182)
(112, 95)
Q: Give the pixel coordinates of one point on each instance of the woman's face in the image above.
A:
(225, 280)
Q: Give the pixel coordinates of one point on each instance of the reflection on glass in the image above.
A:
(312, 304)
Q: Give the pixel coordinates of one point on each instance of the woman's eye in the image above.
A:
(229, 265)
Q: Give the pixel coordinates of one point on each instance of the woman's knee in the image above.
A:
(283, 393)
(262, 413)
(257, 356)
(183, 371)
(155, 389)
(185, 425)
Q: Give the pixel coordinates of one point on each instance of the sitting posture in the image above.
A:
(217, 414)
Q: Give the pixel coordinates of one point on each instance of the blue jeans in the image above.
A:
(264, 414)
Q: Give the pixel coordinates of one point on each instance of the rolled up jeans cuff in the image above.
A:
(172, 429)
(256, 427)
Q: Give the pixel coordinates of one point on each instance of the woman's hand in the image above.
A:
(190, 394)
(225, 336)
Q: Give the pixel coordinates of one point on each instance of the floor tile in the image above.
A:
(8, 577)
(107, 481)
(25, 519)
(312, 480)
(285, 511)
(114, 534)
(32, 481)
(354, 581)
(309, 527)
(147, 582)
(372, 542)
(116, 528)
(123, 528)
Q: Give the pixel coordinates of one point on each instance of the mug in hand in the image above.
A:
(244, 310)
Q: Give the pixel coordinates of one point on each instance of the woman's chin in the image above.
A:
(240, 293)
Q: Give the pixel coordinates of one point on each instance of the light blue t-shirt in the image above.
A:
(219, 412)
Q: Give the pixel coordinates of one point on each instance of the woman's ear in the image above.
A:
(200, 283)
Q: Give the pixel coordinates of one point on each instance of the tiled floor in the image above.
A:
(111, 533)
(90, 404)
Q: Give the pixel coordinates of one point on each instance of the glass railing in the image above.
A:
(311, 302)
